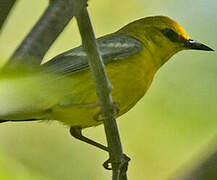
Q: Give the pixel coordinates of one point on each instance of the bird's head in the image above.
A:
(162, 36)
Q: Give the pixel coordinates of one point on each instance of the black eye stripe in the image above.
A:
(172, 35)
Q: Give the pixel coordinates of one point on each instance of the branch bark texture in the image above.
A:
(103, 89)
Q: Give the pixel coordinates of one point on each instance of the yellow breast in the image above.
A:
(130, 77)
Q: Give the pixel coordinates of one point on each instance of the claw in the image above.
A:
(107, 164)
(124, 165)
(116, 110)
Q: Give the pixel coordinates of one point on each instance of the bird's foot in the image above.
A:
(124, 165)
(116, 110)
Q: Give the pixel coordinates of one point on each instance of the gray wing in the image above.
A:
(112, 47)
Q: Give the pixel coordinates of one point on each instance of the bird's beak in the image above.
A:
(191, 44)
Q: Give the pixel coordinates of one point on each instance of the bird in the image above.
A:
(63, 89)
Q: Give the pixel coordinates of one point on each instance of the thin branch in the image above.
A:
(103, 89)
(47, 29)
(5, 7)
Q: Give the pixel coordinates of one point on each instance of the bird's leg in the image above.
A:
(116, 110)
(76, 133)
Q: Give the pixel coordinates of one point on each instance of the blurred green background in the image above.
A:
(169, 126)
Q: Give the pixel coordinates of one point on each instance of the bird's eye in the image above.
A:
(170, 34)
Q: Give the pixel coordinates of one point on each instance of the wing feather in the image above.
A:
(112, 47)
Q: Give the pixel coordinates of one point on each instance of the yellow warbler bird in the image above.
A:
(63, 89)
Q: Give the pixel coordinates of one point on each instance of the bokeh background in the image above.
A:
(170, 126)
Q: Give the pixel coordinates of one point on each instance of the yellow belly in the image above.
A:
(130, 78)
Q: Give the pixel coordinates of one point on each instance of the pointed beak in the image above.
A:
(191, 44)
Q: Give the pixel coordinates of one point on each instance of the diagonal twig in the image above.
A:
(201, 167)
(47, 29)
(5, 8)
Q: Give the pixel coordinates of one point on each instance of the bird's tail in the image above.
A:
(22, 120)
